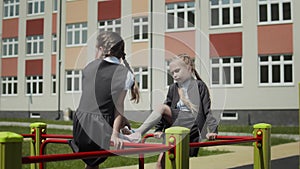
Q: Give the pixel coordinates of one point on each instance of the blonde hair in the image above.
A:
(189, 62)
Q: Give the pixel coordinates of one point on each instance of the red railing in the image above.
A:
(140, 149)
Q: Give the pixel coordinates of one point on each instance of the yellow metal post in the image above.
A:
(10, 150)
(37, 129)
(177, 158)
(262, 150)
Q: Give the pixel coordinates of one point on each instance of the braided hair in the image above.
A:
(113, 45)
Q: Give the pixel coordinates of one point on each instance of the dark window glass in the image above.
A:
(287, 11)
(236, 15)
(145, 31)
(237, 75)
(170, 20)
(215, 76)
(214, 17)
(275, 73)
(191, 19)
(180, 20)
(263, 13)
(274, 12)
(226, 16)
(145, 81)
(264, 74)
(226, 75)
(288, 73)
(136, 32)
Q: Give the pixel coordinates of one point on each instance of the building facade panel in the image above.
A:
(54, 23)
(176, 1)
(53, 65)
(35, 27)
(275, 39)
(108, 10)
(226, 44)
(139, 7)
(34, 67)
(9, 66)
(179, 42)
(10, 28)
(76, 11)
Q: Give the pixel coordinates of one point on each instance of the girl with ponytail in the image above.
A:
(105, 82)
(187, 105)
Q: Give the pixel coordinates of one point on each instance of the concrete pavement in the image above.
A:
(238, 157)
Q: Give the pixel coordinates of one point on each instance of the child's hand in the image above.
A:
(158, 134)
(211, 136)
(125, 131)
(118, 143)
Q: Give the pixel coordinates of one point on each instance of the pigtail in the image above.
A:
(135, 93)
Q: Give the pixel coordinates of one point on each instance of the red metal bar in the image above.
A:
(223, 142)
(93, 154)
(141, 156)
(57, 136)
(28, 135)
(232, 137)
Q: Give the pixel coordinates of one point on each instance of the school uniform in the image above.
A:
(197, 92)
(102, 83)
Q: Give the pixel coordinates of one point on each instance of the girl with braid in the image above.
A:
(187, 105)
(105, 82)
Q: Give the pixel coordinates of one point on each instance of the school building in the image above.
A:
(245, 50)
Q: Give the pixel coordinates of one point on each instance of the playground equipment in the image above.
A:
(176, 147)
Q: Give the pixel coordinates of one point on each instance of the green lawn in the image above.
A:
(129, 160)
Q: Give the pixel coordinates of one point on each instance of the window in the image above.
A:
(55, 5)
(73, 79)
(10, 47)
(141, 77)
(53, 80)
(34, 85)
(180, 16)
(35, 45)
(169, 76)
(140, 28)
(35, 7)
(11, 8)
(276, 70)
(224, 13)
(54, 44)
(274, 11)
(110, 25)
(226, 71)
(76, 34)
(9, 86)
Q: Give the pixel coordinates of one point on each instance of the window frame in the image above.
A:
(271, 63)
(269, 14)
(140, 24)
(139, 74)
(37, 80)
(9, 82)
(72, 74)
(115, 25)
(10, 42)
(231, 5)
(221, 74)
(39, 41)
(175, 11)
(73, 29)
(40, 7)
(16, 9)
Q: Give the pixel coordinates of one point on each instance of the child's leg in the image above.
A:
(154, 118)
(160, 161)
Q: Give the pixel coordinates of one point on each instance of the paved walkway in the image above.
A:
(239, 156)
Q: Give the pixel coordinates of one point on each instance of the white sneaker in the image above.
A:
(134, 137)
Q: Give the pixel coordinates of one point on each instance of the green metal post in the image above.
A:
(177, 158)
(38, 129)
(10, 150)
(262, 150)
